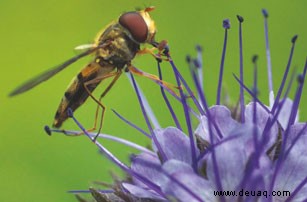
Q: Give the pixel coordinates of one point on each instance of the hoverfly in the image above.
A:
(113, 52)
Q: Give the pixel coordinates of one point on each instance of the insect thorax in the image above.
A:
(121, 50)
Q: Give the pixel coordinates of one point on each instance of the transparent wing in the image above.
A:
(49, 73)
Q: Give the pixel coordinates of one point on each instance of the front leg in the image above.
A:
(161, 47)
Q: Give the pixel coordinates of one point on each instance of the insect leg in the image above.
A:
(98, 101)
(157, 46)
(155, 78)
(117, 75)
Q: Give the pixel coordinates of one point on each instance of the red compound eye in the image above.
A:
(136, 25)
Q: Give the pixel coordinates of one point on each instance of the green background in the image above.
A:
(36, 35)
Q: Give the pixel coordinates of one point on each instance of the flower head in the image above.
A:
(252, 152)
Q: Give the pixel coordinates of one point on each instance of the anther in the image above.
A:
(265, 13)
(47, 130)
(159, 60)
(254, 58)
(293, 40)
(240, 18)
(300, 78)
(188, 59)
(199, 48)
(226, 24)
(196, 63)
(70, 113)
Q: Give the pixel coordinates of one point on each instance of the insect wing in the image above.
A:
(49, 73)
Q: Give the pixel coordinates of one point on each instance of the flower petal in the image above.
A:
(285, 112)
(294, 167)
(174, 143)
(149, 167)
(185, 185)
(262, 117)
(222, 117)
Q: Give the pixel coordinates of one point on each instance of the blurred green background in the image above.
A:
(36, 35)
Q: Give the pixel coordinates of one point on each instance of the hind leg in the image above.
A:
(100, 105)
(98, 101)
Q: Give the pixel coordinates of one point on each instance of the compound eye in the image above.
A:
(136, 25)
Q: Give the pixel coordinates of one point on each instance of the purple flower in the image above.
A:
(251, 152)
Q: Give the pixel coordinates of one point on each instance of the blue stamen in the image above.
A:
(242, 104)
(147, 107)
(255, 87)
(70, 113)
(200, 69)
(268, 53)
(291, 121)
(187, 117)
(186, 86)
(131, 124)
(169, 106)
(251, 93)
(293, 40)
(180, 184)
(203, 100)
(226, 26)
(217, 176)
(298, 96)
(111, 157)
(296, 190)
(214, 145)
(300, 133)
(254, 159)
(272, 120)
(108, 137)
(88, 191)
(194, 70)
(153, 136)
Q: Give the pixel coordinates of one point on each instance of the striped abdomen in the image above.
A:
(76, 93)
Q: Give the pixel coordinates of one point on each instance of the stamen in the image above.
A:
(196, 70)
(186, 86)
(300, 133)
(131, 124)
(255, 128)
(293, 40)
(255, 92)
(88, 191)
(169, 106)
(111, 157)
(296, 190)
(298, 96)
(213, 146)
(268, 53)
(180, 184)
(226, 26)
(200, 68)
(193, 66)
(202, 97)
(179, 79)
(272, 120)
(251, 93)
(255, 89)
(242, 104)
(296, 101)
(217, 176)
(291, 121)
(153, 136)
(147, 107)
(108, 137)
